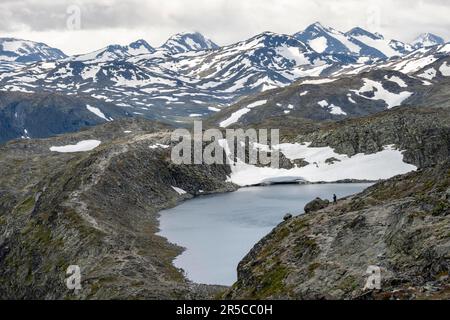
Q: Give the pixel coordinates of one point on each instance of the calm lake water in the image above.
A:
(219, 230)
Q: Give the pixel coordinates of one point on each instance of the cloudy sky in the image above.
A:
(78, 26)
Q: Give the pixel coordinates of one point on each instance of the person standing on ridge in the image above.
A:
(334, 198)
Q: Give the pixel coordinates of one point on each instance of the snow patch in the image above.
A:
(337, 110)
(159, 146)
(332, 108)
(323, 103)
(235, 116)
(392, 99)
(429, 74)
(445, 48)
(318, 81)
(85, 145)
(349, 96)
(293, 54)
(319, 44)
(397, 80)
(445, 69)
(179, 191)
(97, 112)
(379, 44)
(359, 167)
(409, 66)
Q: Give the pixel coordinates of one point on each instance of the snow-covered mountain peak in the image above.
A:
(274, 40)
(316, 26)
(188, 41)
(140, 47)
(327, 40)
(116, 52)
(357, 31)
(356, 43)
(427, 40)
(19, 50)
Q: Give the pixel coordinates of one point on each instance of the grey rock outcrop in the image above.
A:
(316, 205)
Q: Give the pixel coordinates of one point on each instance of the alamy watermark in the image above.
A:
(212, 146)
(73, 21)
(374, 280)
(73, 281)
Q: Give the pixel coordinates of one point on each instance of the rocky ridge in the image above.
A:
(96, 209)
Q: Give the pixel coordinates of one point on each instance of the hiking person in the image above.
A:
(334, 198)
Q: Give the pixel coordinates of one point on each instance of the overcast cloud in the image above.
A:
(106, 22)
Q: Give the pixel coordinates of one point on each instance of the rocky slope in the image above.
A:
(41, 115)
(400, 225)
(96, 209)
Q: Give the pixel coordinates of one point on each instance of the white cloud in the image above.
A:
(225, 21)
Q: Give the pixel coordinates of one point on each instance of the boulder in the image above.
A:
(316, 205)
(287, 217)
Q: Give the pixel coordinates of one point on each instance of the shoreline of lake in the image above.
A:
(232, 223)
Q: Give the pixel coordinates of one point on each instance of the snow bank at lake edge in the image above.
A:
(381, 165)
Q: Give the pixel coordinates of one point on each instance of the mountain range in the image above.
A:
(191, 77)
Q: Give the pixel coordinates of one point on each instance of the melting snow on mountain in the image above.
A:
(359, 167)
(378, 92)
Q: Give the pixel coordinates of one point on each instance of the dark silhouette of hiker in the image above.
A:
(334, 199)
